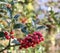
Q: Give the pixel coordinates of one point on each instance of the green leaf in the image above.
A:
(15, 41)
(40, 27)
(1, 34)
(19, 25)
(16, 16)
(24, 30)
(9, 12)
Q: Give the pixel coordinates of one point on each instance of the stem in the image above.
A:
(9, 47)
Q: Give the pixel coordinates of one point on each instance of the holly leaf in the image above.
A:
(1, 34)
(19, 25)
(24, 30)
(16, 16)
(9, 11)
(40, 27)
(15, 41)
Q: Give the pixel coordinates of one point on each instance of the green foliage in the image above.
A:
(1, 34)
(25, 9)
(19, 25)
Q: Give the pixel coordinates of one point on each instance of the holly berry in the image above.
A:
(33, 45)
(20, 47)
(7, 37)
(42, 39)
(12, 32)
(12, 36)
(6, 33)
(20, 40)
(26, 47)
(31, 40)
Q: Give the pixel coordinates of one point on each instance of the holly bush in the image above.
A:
(21, 26)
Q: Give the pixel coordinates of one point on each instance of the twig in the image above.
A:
(9, 47)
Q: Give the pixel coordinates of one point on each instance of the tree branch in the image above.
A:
(9, 47)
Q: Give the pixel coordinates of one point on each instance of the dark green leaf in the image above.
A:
(9, 12)
(40, 27)
(16, 16)
(15, 41)
(24, 30)
(19, 25)
(1, 34)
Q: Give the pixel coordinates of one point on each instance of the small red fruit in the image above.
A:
(26, 47)
(7, 37)
(36, 36)
(20, 40)
(31, 40)
(34, 33)
(33, 45)
(6, 33)
(12, 32)
(12, 36)
(42, 39)
(20, 47)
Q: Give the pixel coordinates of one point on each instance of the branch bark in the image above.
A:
(9, 47)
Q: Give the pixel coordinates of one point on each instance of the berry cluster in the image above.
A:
(9, 35)
(31, 40)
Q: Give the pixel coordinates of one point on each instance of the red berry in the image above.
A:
(20, 47)
(12, 36)
(34, 33)
(26, 47)
(36, 36)
(38, 42)
(41, 35)
(6, 33)
(7, 37)
(33, 45)
(12, 32)
(20, 40)
(42, 39)
(31, 40)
